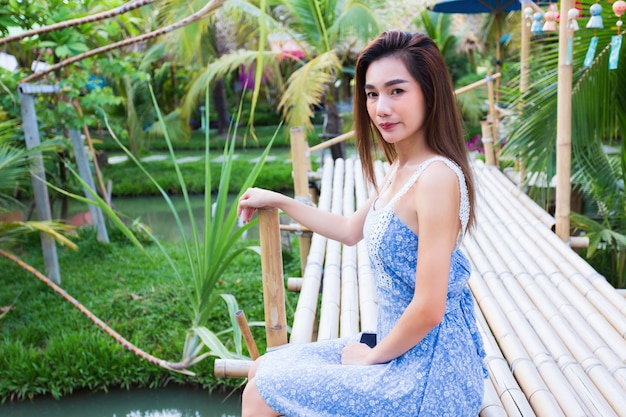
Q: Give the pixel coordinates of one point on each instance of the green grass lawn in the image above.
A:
(47, 346)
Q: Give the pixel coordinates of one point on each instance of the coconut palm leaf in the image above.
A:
(306, 87)
(10, 231)
(218, 69)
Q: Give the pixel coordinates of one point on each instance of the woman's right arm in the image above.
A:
(348, 230)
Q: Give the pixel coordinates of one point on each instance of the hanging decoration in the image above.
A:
(551, 17)
(550, 24)
(537, 27)
(595, 22)
(619, 7)
(572, 16)
(528, 16)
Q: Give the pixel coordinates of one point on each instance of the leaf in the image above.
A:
(213, 343)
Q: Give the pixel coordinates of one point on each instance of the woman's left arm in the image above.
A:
(436, 199)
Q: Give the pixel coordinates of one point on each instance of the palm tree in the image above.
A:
(326, 30)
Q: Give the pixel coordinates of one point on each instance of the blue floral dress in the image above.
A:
(443, 375)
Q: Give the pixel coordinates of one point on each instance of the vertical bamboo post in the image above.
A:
(493, 115)
(525, 52)
(564, 131)
(301, 163)
(487, 140)
(272, 271)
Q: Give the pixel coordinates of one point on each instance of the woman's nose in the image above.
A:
(383, 107)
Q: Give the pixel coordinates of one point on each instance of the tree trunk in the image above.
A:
(221, 107)
(333, 125)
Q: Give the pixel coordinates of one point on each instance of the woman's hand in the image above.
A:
(251, 200)
(355, 353)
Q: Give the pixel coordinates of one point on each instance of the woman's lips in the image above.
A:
(387, 126)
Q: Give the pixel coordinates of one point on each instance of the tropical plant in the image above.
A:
(208, 253)
(15, 169)
(324, 30)
(598, 122)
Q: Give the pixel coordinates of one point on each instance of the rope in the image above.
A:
(173, 366)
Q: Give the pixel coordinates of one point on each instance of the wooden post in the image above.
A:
(564, 131)
(301, 163)
(273, 285)
(38, 174)
(493, 115)
(85, 173)
(487, 140)
(247, 334)
(525, 51)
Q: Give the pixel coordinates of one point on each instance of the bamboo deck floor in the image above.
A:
(554, 329)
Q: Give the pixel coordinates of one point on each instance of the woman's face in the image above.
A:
(394, 100)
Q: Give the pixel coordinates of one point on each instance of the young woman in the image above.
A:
(429, 356)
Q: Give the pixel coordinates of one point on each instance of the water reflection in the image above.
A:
(164, 402)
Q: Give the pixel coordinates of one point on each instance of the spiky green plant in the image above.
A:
(208, 250)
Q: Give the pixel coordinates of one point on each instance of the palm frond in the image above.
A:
(306, 88)
(218, 69)
(54, 229)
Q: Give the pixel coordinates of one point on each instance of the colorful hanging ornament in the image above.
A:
(572, 15)
(595, 22)
(537, 27)
(619, 8)
(550, 24)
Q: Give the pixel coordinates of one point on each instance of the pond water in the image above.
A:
(164, 402)
(154, 212)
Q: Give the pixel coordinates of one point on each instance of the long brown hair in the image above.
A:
(443, 124)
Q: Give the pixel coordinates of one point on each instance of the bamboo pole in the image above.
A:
(247, 334)
(301, 162)
(349, 308)
(272, 271)
(509, 395)
(487, 140)
(231, 368)
(487, 80)
(492, 117)
(331, 291)
(564, 131)
(331, 142)
(306, 309)
(525, 53)
(368, 302)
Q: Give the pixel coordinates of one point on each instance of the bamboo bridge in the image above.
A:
(554, 328)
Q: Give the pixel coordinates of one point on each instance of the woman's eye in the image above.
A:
(396, 91)
(371, 94)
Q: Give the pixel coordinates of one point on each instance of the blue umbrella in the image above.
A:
(476, 6)
(496, 7)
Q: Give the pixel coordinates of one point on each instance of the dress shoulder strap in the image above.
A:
(464, 207)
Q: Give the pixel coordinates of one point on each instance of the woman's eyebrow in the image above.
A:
(387, 84)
